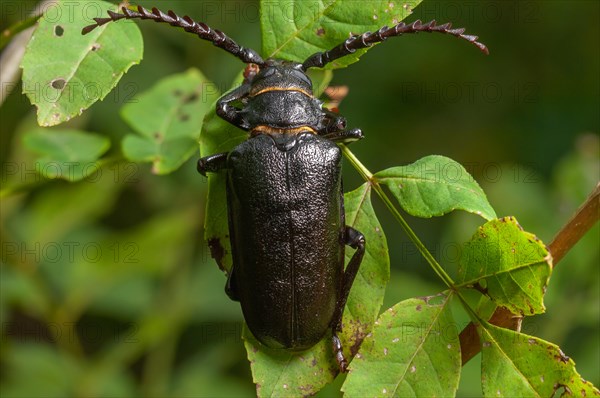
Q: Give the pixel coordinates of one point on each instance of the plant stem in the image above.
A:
(584, 218)
(10, 32)
(368, 176)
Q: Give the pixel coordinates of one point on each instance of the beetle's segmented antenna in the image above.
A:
(203, 31)
(367, 39)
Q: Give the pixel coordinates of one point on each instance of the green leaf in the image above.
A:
(368, 289)
(511, 265)
(413, 351)
(435, 185)
(168, 119)
(294, 30)
(218, 136)
(517, 365)
(320, 79)
(64, 72)
(68, 154)
(279, 373)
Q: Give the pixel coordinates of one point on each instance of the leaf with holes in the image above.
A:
(510, 265)
(366, 295)
(435, 185)
(294, 30)
(517, 365)
(413, 351)
(66, 154)
(168, 118)
(64, 72)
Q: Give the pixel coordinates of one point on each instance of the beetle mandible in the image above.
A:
(284, 188)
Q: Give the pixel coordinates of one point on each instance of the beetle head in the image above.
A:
(278, 74)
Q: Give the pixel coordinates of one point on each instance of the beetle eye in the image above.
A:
(269, 72)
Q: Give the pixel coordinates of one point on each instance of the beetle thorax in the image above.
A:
(281, 100)
(279, 75)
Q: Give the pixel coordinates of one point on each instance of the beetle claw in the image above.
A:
(339, 354)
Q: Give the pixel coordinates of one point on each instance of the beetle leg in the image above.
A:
(230, 113)
(355, 240)
(212, 163)
(345, 136)
(332, 122)
(334, 128)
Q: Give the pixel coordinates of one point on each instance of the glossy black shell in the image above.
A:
(286, 223)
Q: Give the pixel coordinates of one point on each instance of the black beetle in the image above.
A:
(284, 189)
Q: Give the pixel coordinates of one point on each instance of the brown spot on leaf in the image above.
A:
(561, 357)
(357, 337)
(59, 31)
(320, 31)
(184, 117)
(481, 287)
(308, 387)
(58, 84)
(419, 307)
(95, 47)
(191, 98)
(217, 252)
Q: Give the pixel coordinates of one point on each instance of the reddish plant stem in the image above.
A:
(584, 218)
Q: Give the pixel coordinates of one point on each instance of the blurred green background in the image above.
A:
(108, 289)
